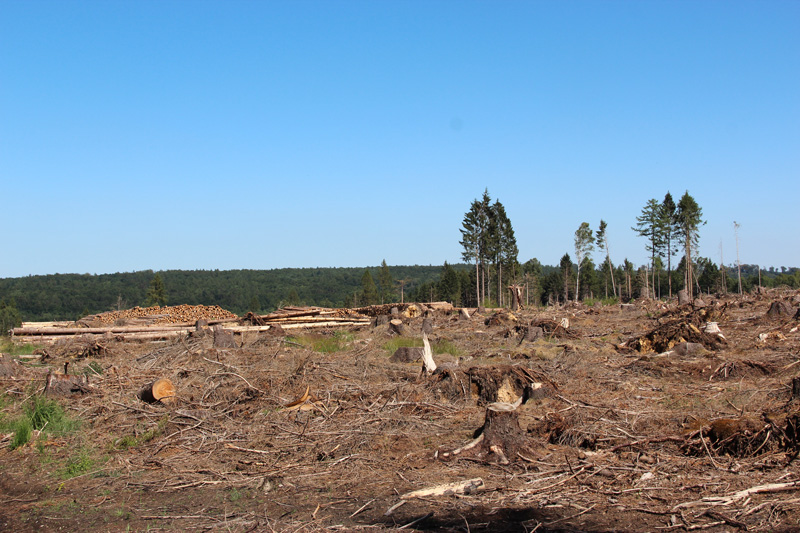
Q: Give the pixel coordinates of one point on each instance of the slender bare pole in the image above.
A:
(738, 263)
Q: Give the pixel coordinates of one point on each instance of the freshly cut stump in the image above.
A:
(398, 327)
(159, 391)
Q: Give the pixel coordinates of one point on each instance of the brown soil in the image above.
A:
(274, 436)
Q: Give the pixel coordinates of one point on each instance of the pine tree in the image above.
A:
(648, 225)
(689, 218)
(385, 283)
(369, 291)
(157, 293)
(449, 286)
(505, 245)
(584, 244)
(566, 269)
(602, 243)
(668, 231)
(474, 239)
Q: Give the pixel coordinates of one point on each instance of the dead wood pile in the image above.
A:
(489, 384)
(689, 328)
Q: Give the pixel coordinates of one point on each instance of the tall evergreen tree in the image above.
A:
(668, 232)
(369, 291)
(566, 269)
(157, 293)
(584, 244)
(648, 225)
(385, 282)
(475, 240)
(449, 287)
(689, 218)
(505, 246)
(602, 243)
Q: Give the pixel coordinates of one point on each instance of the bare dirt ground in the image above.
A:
(622, 440)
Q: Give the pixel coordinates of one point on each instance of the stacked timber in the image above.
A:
(167, 327)
(157, 315)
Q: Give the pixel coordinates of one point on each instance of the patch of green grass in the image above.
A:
(394, 343)
(22, 429)
(45, 413)
(41, 414)
(12, 348)
(445, 346)
(93, 368)
(131, 441)
(336, 342)
(80, 463)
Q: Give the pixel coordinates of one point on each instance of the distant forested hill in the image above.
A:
(70, 296)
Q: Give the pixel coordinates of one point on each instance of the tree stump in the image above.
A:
(532, 333)
(397, 327)
(463, 314)
(406, 354)
(223, 338)
(780, 309)
(683, 297)
(516, 297)
(427, 325)
(64, 385)
(159, 391)
(500, 437)
(795, 388)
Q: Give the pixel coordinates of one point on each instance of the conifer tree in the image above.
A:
(385, 282)
(566, 269)
(602, 243)
(584, 244)
(668, 231)
(474, 239)
(648, 225)
(157, 293)
(689, 218)
(369, 291)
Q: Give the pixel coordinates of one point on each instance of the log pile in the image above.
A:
(166, 325)
(177, 314)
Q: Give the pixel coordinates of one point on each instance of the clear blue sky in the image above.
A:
(220, 135)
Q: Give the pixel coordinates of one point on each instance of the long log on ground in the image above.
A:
(96, 331)
(291, 314)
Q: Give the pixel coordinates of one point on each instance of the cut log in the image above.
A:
(159, 391)
(459, 487)
(398, 327)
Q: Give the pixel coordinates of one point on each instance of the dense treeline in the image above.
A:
(70, 296)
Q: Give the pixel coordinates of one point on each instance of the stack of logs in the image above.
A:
(176, 314)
